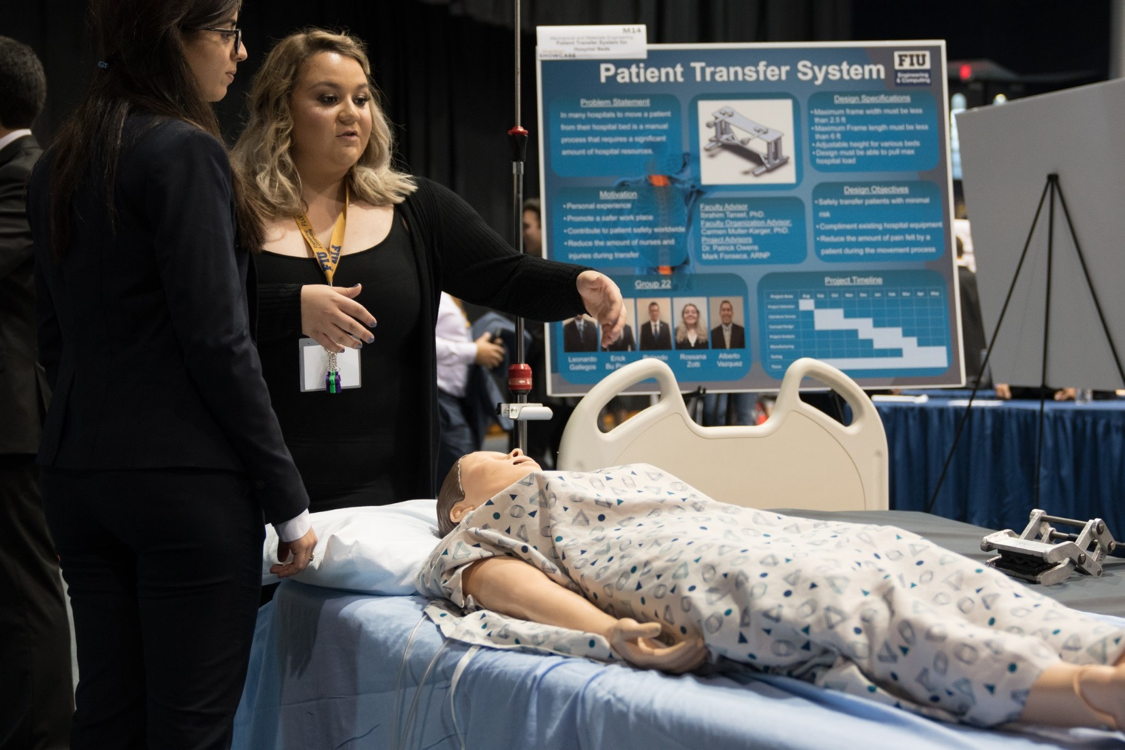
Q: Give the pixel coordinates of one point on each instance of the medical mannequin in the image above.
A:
(1054, 691)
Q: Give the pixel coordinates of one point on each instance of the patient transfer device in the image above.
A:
(726, 119)
(1041, 554)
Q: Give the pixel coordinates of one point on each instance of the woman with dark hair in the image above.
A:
(350, 239)
(160, 453)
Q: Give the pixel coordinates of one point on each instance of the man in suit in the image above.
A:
(729, 335)
(36, 699)
(627, 343)
(580, 334)
(655, 334)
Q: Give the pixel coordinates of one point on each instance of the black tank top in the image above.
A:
(348, 445)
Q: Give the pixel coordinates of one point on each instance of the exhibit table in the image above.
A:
(991, 478)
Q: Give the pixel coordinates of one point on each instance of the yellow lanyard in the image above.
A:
(330, 258)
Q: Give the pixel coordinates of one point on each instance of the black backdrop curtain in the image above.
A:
(445, 67)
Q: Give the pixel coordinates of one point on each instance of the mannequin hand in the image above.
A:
(488, 354)
(635, 642)
(301, 551)
(603, 301)
(330, 315)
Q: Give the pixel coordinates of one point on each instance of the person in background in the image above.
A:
(972, 323)
(36, 694)
(655, 333)
(532, 228)
(580, 334)
(461, 397)
(691, 333)
(728, 334)
(350, 241)
(627, 342)
(718, 407)
(160, 453)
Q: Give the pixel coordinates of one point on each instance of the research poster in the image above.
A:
(756, 204)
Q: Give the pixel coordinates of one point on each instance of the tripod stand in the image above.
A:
(1053, 189)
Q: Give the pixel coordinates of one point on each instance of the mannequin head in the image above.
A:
(474, 479)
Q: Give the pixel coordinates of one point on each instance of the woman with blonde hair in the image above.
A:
(691, 333)
(350, 240)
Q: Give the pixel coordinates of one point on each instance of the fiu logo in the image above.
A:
(916, 60)
(912, 67)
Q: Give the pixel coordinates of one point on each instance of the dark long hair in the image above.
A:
(145, 70)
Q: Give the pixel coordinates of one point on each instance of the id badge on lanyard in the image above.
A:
(324, 370)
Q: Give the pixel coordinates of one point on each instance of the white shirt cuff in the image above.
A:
(294, 528)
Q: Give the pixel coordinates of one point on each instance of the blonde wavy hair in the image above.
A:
(682, 329)
(262, 154)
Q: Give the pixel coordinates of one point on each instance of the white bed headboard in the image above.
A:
(799, 458)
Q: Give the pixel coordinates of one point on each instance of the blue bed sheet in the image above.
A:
(327, 671)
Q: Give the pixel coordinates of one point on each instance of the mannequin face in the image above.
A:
(485, 473)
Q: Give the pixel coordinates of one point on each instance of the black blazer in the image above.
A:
(737, 337)
(23, 383)
(626, 343)
(972, 324)
(662, 340)
(145, 326)
(700, 343)
(587, 342)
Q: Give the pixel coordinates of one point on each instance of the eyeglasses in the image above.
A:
(228, 34)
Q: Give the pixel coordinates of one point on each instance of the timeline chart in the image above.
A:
(889, 324)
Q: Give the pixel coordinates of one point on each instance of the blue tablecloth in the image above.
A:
(990, 481)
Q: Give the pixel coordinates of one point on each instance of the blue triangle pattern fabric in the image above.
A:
(877, 612)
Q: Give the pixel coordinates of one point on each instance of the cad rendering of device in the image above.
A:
(726, 119)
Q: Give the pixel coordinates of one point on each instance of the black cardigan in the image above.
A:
(455, 251)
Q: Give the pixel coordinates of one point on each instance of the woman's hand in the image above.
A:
(331, 315)
(635, 642)
(603, 301)
(295, 556)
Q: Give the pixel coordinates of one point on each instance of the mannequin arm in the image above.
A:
(512, 587)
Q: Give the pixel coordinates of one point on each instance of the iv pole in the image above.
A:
(519, 374)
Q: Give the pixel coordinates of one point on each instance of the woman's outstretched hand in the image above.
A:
(636, 643)
(331, 315)
(603, 301)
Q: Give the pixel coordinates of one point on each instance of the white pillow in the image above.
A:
(376, 550)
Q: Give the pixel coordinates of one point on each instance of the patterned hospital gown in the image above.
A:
(871, 610)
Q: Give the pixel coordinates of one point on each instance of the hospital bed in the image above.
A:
(333, 668)
(800, 457)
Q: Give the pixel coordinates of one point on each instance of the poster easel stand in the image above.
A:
(1054, 189)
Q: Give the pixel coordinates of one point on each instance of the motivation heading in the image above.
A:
(762, 71)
